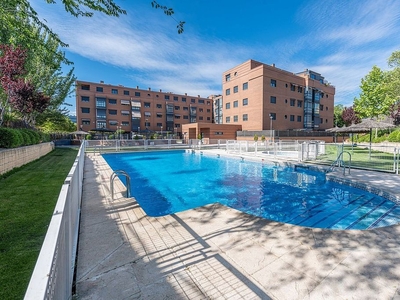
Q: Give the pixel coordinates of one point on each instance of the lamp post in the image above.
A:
(161, 132)
(270, 126)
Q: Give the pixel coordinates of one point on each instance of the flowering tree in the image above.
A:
(21, 95)
(349, 116)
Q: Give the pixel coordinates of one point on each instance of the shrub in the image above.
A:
(26, 137)
(9, 138)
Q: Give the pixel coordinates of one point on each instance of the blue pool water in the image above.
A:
(167, 182)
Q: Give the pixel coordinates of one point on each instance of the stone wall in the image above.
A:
(16, 157)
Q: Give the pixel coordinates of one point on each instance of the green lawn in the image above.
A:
(360, 157)
(27, 199)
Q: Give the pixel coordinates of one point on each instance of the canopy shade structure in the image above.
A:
(366, 125)
(80, 132)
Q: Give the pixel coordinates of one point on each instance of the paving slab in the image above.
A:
(215, 252)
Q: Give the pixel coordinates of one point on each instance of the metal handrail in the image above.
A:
(340, 163)
(128, 182)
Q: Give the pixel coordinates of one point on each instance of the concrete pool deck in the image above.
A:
(215, 252)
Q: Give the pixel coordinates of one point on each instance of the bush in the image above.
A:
(9, 138)
(394, 136)
(26, 137)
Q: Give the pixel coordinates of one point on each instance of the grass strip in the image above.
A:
(28, 196)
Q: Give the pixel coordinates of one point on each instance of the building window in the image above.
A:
(245, 117)
(100, 102)
(235, 89)
(185, 117)
(245, 101)
(321, 107)
(273, 99)
(125, 102)
(175, 98)
(201, 101)
(273, 115)
(192, 100)
(228, 119)
(285, 117)
(114, 91)
(292, 87)
(101, 124)
(125, 112)
(126, 93)
(177, 107)
(112, 111)
(85, 110)
(201, 118)
(183, 99)
(177, 116)
(113, 123)
(85, 122)
(273, 82)
(227, 105)
(235, 118)
(201, 110)
(208, 110)
(326, 107)
(299, 103)
(292, 102)
(99, 89)
(84, 98)
(208, 118)
(291, 118)
(137, 94)
(166, 97)
(208, 103)
(112, 101)
(218, 133)
(159, 115)
(147, 124)
(300, 89)
(245, 86)
(227, 92)
(85, 87)
(159, 105)
(125, 123)
(185, 108)
(228, 77)
(147, 104)
(298, 118)
(235, 103)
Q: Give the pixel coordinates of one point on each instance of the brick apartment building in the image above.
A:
(100, 105)
(259, 96)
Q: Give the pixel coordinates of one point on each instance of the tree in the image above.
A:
(22, 95)
(11, 68)
(27, 101)
(376, 97)
(337, 115)
(349, 116)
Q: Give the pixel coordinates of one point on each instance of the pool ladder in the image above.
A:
(339, 162)
(128, 182)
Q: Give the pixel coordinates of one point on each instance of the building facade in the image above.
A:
(263, 97)
(100, 105)
(218, 108)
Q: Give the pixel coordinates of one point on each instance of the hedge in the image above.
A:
(13, 138)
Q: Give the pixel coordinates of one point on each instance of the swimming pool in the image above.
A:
(167, 182)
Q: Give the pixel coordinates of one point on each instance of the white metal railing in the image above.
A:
(53, 274)
(100, 146)
(378, 157)
(285, 149)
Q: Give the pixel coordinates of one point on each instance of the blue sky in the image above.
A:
(341, 39)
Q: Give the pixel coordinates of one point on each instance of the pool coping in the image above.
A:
(217, 252)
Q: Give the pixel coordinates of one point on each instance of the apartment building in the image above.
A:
(100, 105)
(263, 97)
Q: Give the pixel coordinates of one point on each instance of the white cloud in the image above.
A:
(340, 39)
